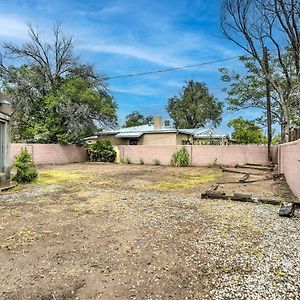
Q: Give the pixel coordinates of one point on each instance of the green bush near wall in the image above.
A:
(101, 151)
(26, 170)
(180, 158)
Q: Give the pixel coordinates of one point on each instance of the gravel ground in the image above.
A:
(134, 232)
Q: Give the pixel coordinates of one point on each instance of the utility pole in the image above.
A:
(268, 102)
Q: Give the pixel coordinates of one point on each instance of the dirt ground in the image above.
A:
(107, 231)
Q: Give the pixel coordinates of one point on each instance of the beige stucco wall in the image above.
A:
(182, 137)
(158, 139)
(115, 141)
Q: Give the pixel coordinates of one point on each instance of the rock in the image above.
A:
(287, 210)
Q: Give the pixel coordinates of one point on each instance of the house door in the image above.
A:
(2, 142)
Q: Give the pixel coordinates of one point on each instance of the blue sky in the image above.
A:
(124, 37)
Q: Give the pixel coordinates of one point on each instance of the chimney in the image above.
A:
(157, 122)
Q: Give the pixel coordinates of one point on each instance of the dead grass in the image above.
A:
(185, 181)
(21, 238)
(58, 177)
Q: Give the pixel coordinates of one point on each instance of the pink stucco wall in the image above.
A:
(289, 164)
(51, 153)
(201, 155)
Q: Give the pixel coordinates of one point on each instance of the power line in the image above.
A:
(171, 69)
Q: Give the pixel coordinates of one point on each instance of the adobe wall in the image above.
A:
(289, 164)
(51, 153)
(200, 155)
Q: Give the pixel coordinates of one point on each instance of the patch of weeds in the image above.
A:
(14, 213)
(73, 272)
(22, 238)
(141, 161)
(91, 206)
(215, 164)
(156, 162)
(50, 233)
(126, 161)
(57, 177)
(258, 251)
(186, 181)
(280, 274)
(180, 158)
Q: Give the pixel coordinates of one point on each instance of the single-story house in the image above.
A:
(5, 112)
(160, 134)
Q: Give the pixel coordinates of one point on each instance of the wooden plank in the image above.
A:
(244, 177)
(259, 165)
(241, 197)
(214, 187)
(7, 187)
(255, 168)
(245, 182)
(213, 195)
(240, 172)
(268, 201)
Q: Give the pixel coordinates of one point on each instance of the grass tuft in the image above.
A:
(185, 181)
(57, 177)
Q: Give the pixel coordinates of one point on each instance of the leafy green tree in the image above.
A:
(195, 107)
(55, 99)
(137, 119)
(246, 132)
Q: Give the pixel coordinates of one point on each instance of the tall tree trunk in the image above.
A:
(268, 100)
(286, 123)
(282, 128)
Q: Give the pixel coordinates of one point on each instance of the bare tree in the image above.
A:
(288, 15)
(254, 25)
(52, 59)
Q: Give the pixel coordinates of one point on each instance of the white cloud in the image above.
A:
(157, 56)
(12, 27)
(111, 10)
(137, 90)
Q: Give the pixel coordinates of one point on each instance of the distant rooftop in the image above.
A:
(137, 131)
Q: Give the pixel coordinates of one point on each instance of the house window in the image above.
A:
(185, 142)
(133, 141)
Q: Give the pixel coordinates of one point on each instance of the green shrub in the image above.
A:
(156, 162)
(26, 170)
(127, 161)
(101, 151)
(141, 161)
(180, 158)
